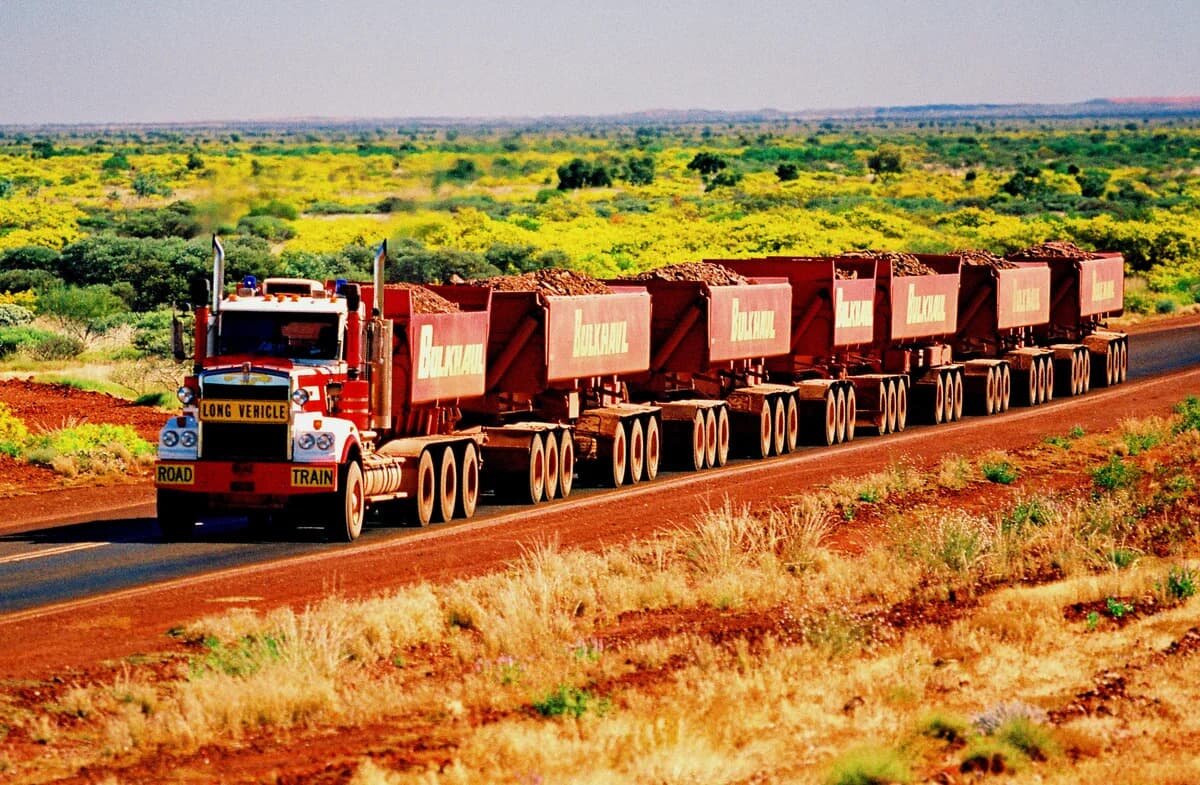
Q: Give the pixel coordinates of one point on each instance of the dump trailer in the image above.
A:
(1085, 294)
(554, 400)
(311, 401)
(1000, 305)
(708, 346)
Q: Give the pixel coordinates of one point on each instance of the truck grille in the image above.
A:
(236, 441)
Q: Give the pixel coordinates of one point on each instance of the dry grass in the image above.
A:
(613, 647)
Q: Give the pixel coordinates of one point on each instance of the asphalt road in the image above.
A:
(60, 563)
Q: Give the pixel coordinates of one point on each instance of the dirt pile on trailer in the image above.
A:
(1051, 250)
(425, 300)
(903, 264)
(702, 272)
(842, 274)
(978, 258)
(552, 281)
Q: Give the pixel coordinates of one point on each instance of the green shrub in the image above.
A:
(1164, 306)
(947, 727)
(1189, 414)
(1181, 583)
(91, 447)
(54, 346)
(12, 315)
(869, 766)
(1117, 608)
(13, 433)
(1114, 474)
(1001, 472)
(14, 339)
(570, 700)
(1032, 511)
(1123, 558)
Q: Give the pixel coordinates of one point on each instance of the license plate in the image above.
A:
(216, 410)
(312, 477)
(174, 474)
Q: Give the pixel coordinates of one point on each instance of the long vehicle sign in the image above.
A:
(215, 410)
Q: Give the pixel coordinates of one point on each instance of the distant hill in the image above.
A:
(1127, 107)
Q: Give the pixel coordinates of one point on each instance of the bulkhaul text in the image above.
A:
(751, 325)
(441, 361)
(925, 309)
(852, 313)
(1102, 290)
(1026, 301)
(599, 339)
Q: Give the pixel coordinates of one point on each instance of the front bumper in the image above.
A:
(246, 482)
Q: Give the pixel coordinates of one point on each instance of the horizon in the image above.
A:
(67, 62)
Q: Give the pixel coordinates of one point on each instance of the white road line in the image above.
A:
(60, 550)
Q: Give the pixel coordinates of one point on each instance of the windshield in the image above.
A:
(292, 335)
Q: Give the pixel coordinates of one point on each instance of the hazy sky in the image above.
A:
(185, 60)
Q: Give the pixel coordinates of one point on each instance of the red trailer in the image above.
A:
(553, 393)
(999, 307)
(1086, 293)
(707, 374)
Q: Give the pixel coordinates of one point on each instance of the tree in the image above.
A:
(464, 170)
(194, 162)
(707, 164)
(639, 170)
(578, 173)
(116, 162)
(30, 257)
(886, 160)
(1092, 182)
(787, 172)
(83, 312)
(149, 184)
(413, 262)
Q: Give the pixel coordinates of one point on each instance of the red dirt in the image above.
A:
(1051, 250)
(46, 407)
(425, 300)
(703, 272)
(551, 281)
(79, 634)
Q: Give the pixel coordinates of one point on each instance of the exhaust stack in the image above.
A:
(379, 350)
(218, 281)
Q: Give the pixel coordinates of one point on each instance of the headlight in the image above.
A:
(306, 441)
(186, 395)
(300, 396)
(324, 441)
(188, 439)
(170, 438)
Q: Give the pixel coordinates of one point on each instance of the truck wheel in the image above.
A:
(699, 442)
(553, 472)
(792, 418)
(1048, 365)
(1123, 366)
(851, 412)
(468, 483)
(421, 506)
(447, 487)
(839, 435)
(901, 405)
(722, 435)
(566, 463)
(957, 401)
(1085, 372)
(349, 506)
(653, 447)
(766, 431)
(779, 427)
(618, 455)
(176, 516)
(887, 405)
(637, 451)
(536, 478)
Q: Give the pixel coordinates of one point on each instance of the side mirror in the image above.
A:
(178, 351)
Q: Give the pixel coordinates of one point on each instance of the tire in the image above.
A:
(779, 440)
(653, 447)
(535, 487)
(851, 412)
(637, 451)
(566, 463)
(349, 507)
(957, 400)
(1049, 366)
(553, 471)
(710, 437)
(939, 400)
(1123, 368)
(421, 506)
(699, 443)
(722, 435)
(792, 416)
(839, 398)
(618, 459)
(1005, 387)
(468, 483)
(901, 406)
(447, 487)
(830, 417)
(887, 394)
(176, 516)
(1085, 383)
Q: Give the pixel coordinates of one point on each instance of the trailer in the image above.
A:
(554, 400)
(706, 372)
(1086, 293)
